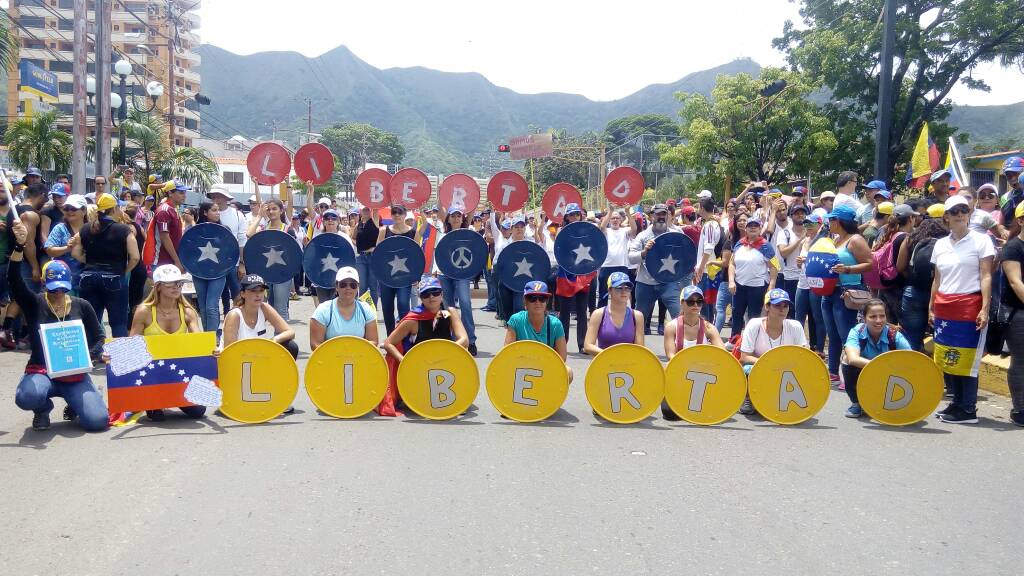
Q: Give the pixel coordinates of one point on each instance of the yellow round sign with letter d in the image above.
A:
(259, 380)
(900, 387)
(346, 377)
(527, 381)
(438, 379)
(625, 383)
(704, 384)
(788, 384)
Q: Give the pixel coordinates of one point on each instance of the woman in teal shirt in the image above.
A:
(534, 322)
(344, 315)
(871, 338)
(854, 259)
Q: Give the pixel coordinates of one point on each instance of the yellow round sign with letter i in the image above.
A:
(625, 383)
(438, 379)
(346, 377)
(527, 381)
(259, 380)
(900, 387)
(788, 384)
(704, 384)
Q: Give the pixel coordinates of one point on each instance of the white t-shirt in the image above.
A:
(548, 244)
(847, 200)
(618, 246)
(756, 341)
(982, 221)
(958, 264)
(782, 237)
(751, 266)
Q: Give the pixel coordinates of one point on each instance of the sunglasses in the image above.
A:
(958, 210)
(432, 293)
(330, 217)
(351, 284)
(534, 298)
(70, 209)
(695, 302)
(179, 284)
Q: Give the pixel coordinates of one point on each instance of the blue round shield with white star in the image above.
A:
(580, 248)
(520, 262)
(208, 251)
(398, 262)
(672, 257)
(324, 255)
(461, 254)
(274, 255)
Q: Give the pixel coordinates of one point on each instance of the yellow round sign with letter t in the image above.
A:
(438, 379)
(704, 384)
(527, 381)
(346, 377)
(625, 383)
(788, 384)
(900, 387)
(259, 380)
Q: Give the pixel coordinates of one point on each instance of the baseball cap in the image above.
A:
(219, 190)
(799, 190)
(1019, 212)
(323, 202)
(33, 171)
(827, 194)
(331, 212)
(903, 211)
(777, 296)
(670, 202)
(618, 279)
(517, 220)
(939, 174)
(573, 208)
(843, 212)
(167, 274)
(988, 186)
(506, 223)
(106, 202)
(135, 192)
(660, 208)
(150, 198)
(17, 180)
(885, 208)
(252, 198)
(937, 210)
(875, 185)
(253, 281)
(753, 222)
(689, 210)
(1012, 164)
(181, 187)
(798, 206)
(704, 194)
(56, 276)
(954, 201)
(346, 273)
(58, 190)
(536, 287)
(429, 283)
(812, 217)
(457, 207)
(689, 291)
(77, 201)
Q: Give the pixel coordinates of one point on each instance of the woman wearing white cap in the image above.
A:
(344, 315)
(330, 224)
(64, 236)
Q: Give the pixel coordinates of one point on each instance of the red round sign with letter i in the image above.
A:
(314, 163)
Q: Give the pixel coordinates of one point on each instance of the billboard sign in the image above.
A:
(38, 81)
(531, 146)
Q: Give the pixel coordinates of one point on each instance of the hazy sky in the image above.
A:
(533, 46)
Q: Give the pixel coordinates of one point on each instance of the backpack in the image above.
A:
(912, 272)
(721, 241)
(883, 265)
(890, 333)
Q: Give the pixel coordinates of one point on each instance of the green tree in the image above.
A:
(938, 44)
(355, 144)
(37, 141)
(621, 130)
(190, 165)
(740, 134)
(146, 133)
(8, 43)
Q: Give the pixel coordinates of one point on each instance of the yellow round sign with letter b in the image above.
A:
(704, 384)
(259, 380)
(625, 383)
(900, 387)
(346, 377)
(527, 381)
(788, 384)
(438, 379)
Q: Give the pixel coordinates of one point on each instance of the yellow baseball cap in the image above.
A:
(885, 208)
(106, 202)
(1019, 212)
(936, 210)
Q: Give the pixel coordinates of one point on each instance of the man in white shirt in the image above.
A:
(618, 237)
(846, 191)
(786, 233)
(648, 290)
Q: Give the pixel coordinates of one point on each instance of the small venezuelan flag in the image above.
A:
(161, 384)
(821, 257)
(958, 342)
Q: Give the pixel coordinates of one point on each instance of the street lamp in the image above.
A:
(154, 89)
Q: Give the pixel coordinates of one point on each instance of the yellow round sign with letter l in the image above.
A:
(438, 379)
(788, 384)
(527, 381)
(900, 387)
(259, 380)
(625, 383)
(704, 384)
(346, 377)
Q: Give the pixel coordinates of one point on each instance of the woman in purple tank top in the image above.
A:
(616, 323)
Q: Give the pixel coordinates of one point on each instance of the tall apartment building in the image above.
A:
(157, 36)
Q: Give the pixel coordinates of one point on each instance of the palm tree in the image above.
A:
(146, 132)
(37, 141)
(190, 165)
(8, 43)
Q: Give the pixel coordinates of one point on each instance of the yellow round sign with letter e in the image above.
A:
(788, 384)
(625, 383)
(527, 381)
(704, 384)
(346, 377)
(438, 379)
(259, 380)
(900, 387)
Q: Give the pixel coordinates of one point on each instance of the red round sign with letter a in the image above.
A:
(371, 188)
(461, 190)
(624, 186)
(507, 191)
(314, 163)
(410, 188)
(557, 197)
(268, 163)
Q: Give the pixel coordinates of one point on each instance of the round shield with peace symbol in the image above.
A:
(580, 248)
(324, 255)
(461, 254)
(208, 251)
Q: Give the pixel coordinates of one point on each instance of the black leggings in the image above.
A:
(850, 376)
(577, 302)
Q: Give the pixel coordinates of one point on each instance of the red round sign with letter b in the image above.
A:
(410, 188)
(371, 188)
(268, 163)
(314, 163)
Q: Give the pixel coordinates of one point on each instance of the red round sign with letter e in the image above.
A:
(314, 163)
(268, 163)
(371, 188)
(507, 191)
(461, 190)
(624, 186)
(410, 188)
(557, 197)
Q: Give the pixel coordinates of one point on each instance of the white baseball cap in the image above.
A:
(252, 198)
(219, 190)
(346, 273)
(324, 202)
(76, 201)
(704, 194)
(956, 200)
(167, 274)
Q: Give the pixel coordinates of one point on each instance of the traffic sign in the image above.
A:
(557, 197)
(398, 262)
(409, 187)
(209, 251)
(527, 381)
(346, 377)
(672, 257)
(461, 190)
(581, 248)
(461, 254)
(624, 186)
(704, 384)
(788, 384)
(371, 188)
(274, 255)
(900, 387)
(507, 191)
(438, 379)
(625, 383)
(259, 380)
(324, 255)
(268, 163)
(520, 262)
(314, 163)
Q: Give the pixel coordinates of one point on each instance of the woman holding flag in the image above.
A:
(854, 257)
(572, 290)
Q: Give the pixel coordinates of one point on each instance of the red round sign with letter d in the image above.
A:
(268, 163)
(624, 186)
(410, 188)
(557, 197)
(371, 188)
(314, 163)
(461, 190)
(507, 191)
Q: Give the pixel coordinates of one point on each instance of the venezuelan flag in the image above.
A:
(954, 179)
(161, 384)
(924, 161)
(958, 342)
(710, 282)
(821, 257)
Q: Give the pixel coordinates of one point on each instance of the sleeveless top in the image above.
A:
(154, 328)
(436, 329)
(259, 331)
(609, 335)
(410, 233)
(847, 257)
(681, 342)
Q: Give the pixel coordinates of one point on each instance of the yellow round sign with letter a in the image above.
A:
(259, 380)
(900, 387)
(346, 377)
(704, 384)
(527, 381)
(438, 379)
(788, 384)
(625, 383)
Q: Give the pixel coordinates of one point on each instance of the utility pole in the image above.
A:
(309, 120)
(103, 111)
(884, 115)
(170, 75)
(601, 161)
(79, 106)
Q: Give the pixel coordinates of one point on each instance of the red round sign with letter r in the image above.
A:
(461, 190)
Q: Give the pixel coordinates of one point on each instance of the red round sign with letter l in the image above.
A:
(371, 188)
(410, 188)
(507, 191)
(314, 163)
(624, 186)
(268, 163)
(557, 197)
(460, 190)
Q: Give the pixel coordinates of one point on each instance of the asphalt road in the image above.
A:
(309, 494)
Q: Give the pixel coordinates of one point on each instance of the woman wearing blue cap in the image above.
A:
(763, 334)
(615, 323)
(839, 310)
(534, 323)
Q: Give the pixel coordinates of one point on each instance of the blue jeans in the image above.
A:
(107, 291)
(366, 279)
(232, 288)
(790, 287)
(914, 316)
(667, 294)
(456, 292)
(808, 309)
(35, 390)
(965, 391)
(280, 294)
(839, 320)
(509, 302)
(208, 295)
(492, 290)
(747, 303)
(724, 299)
(388, 297)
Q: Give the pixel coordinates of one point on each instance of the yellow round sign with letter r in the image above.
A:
(438, 379)
(900, 387)
(527, 381)
(704, 384)
(788, 384)
(346, 377)
(625, 383)
(259, 380)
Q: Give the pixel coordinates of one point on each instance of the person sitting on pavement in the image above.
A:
(343, 315)
(616, 323)
(534, 323)
(872, 337)
(689, 329)
(762, 334)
